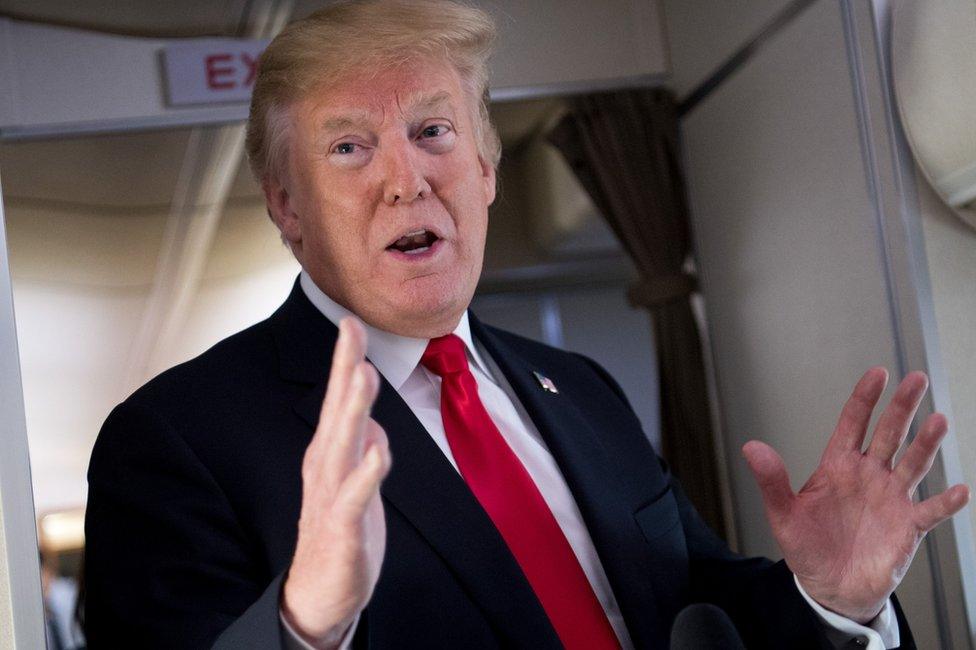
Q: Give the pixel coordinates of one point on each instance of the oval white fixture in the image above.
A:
(934, 67)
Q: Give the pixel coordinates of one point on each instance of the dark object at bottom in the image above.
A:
(704, 627)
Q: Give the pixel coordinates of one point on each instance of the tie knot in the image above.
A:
(445, 356)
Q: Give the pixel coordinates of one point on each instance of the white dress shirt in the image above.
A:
(397, 358)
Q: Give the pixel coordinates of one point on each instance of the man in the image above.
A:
(524, 507)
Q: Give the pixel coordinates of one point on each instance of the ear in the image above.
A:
(489, 179)
(280, 210)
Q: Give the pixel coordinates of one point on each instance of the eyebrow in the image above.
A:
(417, 104)
(342, 122)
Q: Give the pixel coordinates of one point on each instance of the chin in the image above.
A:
(424, 315)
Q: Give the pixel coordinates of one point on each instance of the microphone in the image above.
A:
(704, 627)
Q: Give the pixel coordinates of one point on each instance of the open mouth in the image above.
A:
(414, 243)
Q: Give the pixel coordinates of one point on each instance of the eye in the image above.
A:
(434, 130)
(350, 154)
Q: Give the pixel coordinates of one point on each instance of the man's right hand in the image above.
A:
(341, 532)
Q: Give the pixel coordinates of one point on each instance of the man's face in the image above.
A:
(385, 198)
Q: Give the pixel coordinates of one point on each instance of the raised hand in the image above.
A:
(341, 532)
(851, 532)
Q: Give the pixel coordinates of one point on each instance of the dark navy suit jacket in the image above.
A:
(195, 492)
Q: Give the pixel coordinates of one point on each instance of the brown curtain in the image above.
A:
(623, 148)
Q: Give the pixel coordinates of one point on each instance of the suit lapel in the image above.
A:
(424, 487)
(428, 491)
(607, 504)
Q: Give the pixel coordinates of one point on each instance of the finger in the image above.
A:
(363, 483)
(920, 455)
(854, 417)
(774, 482)
(897, 417)
(350, 349)
(374, 433)
(934, 510)
(346, 449)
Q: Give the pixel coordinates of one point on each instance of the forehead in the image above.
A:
(403, 91)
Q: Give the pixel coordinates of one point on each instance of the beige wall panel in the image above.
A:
(950, 246)
(790, 256)
(249, 272)
(80, 281)
(84, 246)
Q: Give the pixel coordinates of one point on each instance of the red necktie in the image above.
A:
(513, 502)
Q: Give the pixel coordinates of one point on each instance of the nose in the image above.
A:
(405, 180)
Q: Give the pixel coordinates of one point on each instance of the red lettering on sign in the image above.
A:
(216, 73)
(252, 68)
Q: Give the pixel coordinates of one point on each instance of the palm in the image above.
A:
(853, 515)
(850, 533)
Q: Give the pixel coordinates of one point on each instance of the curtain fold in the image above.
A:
(623, 147)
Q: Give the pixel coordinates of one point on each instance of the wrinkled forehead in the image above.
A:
(405, 106)
(407, 91)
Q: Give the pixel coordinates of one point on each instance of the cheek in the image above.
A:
(339, 217)
(475, 218)
(464, 195)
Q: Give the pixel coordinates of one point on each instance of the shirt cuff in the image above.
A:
(293, 641)
(880, 634)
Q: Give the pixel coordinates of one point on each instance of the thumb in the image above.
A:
(770, 472)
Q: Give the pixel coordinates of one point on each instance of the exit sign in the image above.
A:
(211, 70)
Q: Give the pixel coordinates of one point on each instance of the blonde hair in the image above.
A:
(367, 34)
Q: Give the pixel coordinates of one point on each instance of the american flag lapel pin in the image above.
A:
(545, 382)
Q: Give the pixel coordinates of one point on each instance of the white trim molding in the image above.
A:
(890, 170)
(21, 609)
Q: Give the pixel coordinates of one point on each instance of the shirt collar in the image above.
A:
(394, 356)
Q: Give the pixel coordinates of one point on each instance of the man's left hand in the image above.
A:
(850, 533)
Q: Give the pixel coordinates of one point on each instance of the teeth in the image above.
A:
(414, 242)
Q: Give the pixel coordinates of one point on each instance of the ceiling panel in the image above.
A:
(122, 170)
(138, 17)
